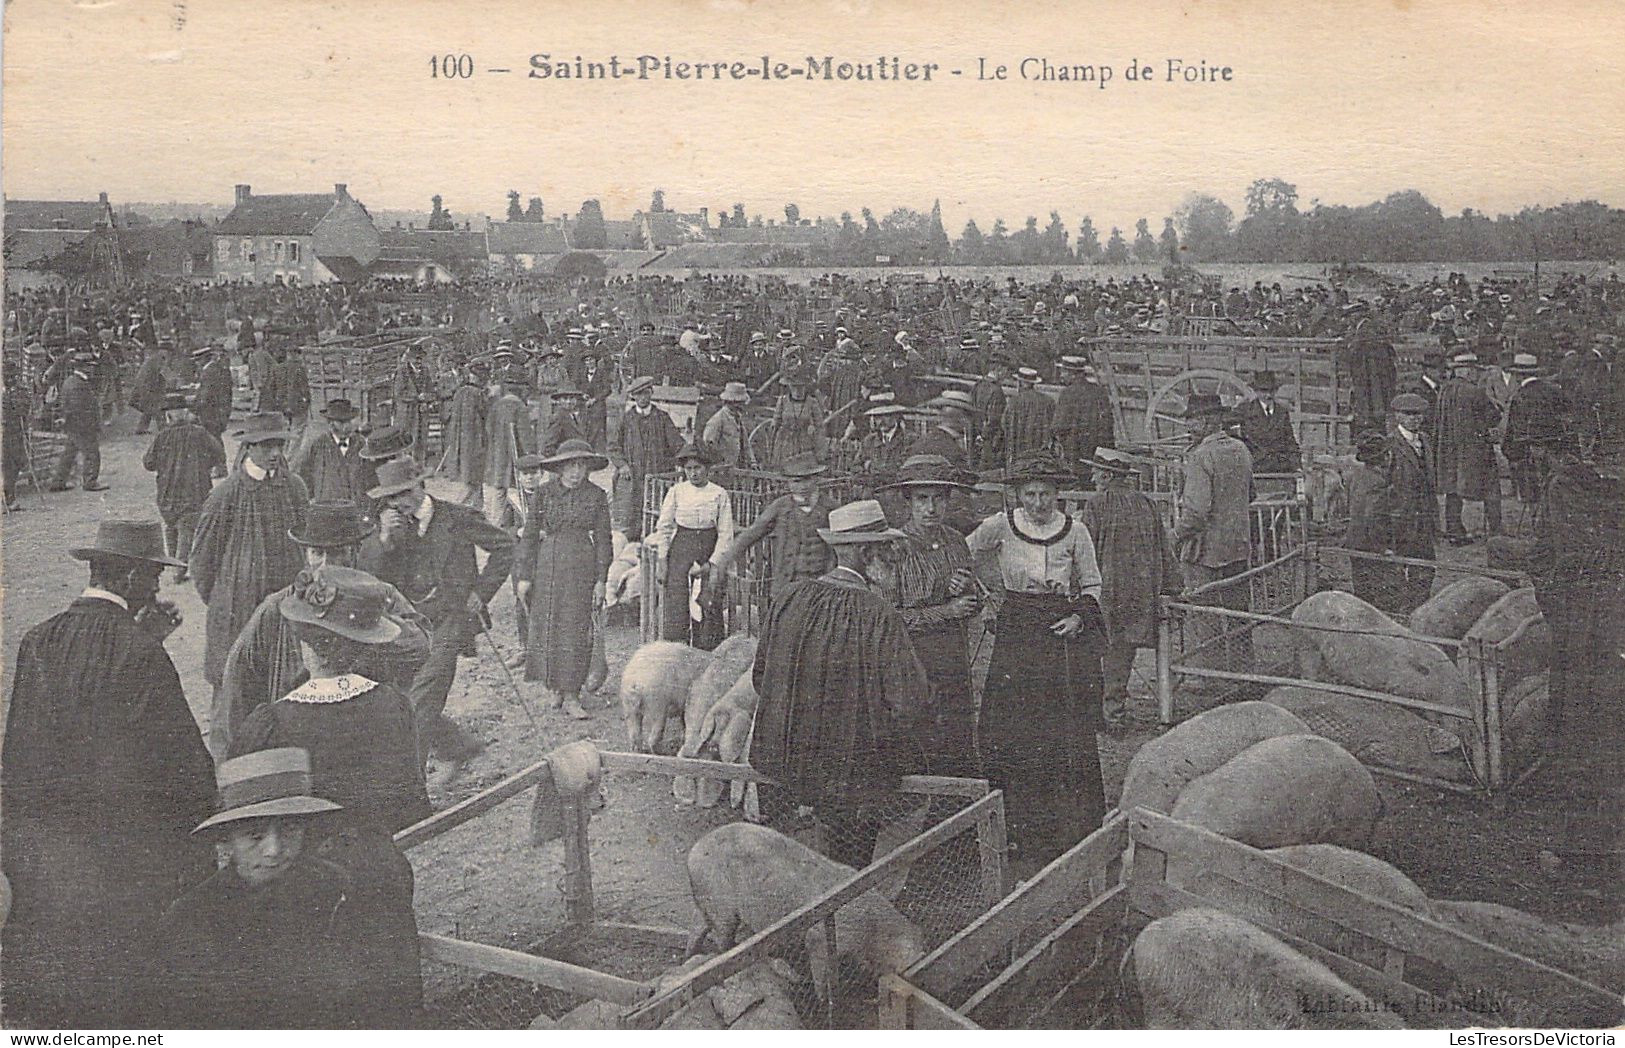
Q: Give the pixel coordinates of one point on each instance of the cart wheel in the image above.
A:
(1164, 410)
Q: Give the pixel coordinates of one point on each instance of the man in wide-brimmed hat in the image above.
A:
(724, 432)
(242, 551)
(278, 937)
(791, 521)
(1266, 428)
(565, 420)
(645, 445)
(508, 435)
(1083, 412)
(843, 695)
(1213, 525)
(798, 419)
(104, 773)
(1137, 565)
(987, 396)
(425, 547)
(263, 663)
(1028, 417)
(331, 466)
(932, 585)
(1413, 508)
(186, 458)
(950, 436)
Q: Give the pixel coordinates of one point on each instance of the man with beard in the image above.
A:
(104, 774)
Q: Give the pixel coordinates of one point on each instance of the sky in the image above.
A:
(1482, 104)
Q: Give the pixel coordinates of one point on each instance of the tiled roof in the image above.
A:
(345, 268)
(29, 247)
(525, 238)
(287, 214)
(432, 245)
(47, 214)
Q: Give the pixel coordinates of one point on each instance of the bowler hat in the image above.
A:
(692, 452)
(130, 539)
(264, 784)
(1413, 403)
(263, 427)
(527, 463)
(331, 524)
(927, 471)
(339, 410)
(1200, 404)
(344, 601)
(858, 522)
(800, 466)
(386, 442)
(574, 450)
(1265, 381)
(396, 476)
(1523, 364)
(1039, 465)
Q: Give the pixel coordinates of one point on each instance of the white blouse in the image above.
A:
(1065, 566)
(696, 508)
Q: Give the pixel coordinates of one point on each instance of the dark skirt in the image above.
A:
(689, 546)
(1040, 713)
(560, 634)
(951, 747)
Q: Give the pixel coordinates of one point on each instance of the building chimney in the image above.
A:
(242, 192)
(102, 197)
(341, 190)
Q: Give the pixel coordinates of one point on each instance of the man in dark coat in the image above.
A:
(648, 445)
(988, 399)
(1413, 511)
(843, 694)
(463, 461)
(426, 548)
(148, 390)
(1467, 422)
(331, 464)
(214, 385)
(1083, 413)
(1373, 374)
(564, 421)
(1266, 429)
(1027, 417)
(186, 458)
(81, 426)
(104, 775)
(1537, 409)
(242, 551)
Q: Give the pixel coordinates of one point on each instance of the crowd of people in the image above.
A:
(346, 564)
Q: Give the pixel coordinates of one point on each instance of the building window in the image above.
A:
(276, 251)
(247, 249)
(293, 251)
(223, 248)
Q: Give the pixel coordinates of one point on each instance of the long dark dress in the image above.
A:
(104, 776)
(242, 553)
(565, 551)
(363, 756)
(924, 564)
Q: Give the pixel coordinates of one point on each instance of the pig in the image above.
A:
(623, 583)
(1390, 660)
(1377, 733)
(654, 686)
(1204, 969)
(724, 733)
(1356, 871)
(757, 998)
(731, 660)
(1292, 789)
(1449, 612)
(1520, 658)
(745, 876)
(1595, 954)
(1524, 709)
(1163, 766)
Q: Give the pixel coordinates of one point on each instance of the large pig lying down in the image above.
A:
(1383, 656)
(1292, 789)
(655, 686)
(745, 877)
(729, 662)
(1204, 969)
(1165, 765)
(1378, 733)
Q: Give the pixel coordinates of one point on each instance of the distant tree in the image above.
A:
(998, 243)
(533, 212)
(755, 222)
(937, 247)
(1025, 245)
(739, 216)
(1169, 242)
(1116, 247)
(1145, 246)
(1204, 223)
(1054, 240)
(657, 203)
(515, 212)
(972, 244)
(589, 231)
(1273, 227)
(439, 217)
(1088, 241)
(792, 215)
(581, 265)
(1271, 194)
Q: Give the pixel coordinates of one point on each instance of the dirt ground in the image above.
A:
(484, 882)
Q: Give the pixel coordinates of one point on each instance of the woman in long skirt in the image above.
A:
(696, 528)
(561, 565)
(1042, 704)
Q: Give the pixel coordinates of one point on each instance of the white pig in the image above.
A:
(731, 659)
(654, 686)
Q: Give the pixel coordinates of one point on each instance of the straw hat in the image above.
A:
(953, 398)
(735, 393)
(264, 784)
(927, 471)
(574, 450)
(130, 539)
(342, 601)
(858, 522)
(1523, 364)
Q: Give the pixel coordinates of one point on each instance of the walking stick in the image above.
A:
(512, 683)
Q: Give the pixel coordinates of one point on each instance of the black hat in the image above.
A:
(1201, 404)
(385, 443)
(1266, 381)
(130, 539)
(692, 452)
(339, 410)
(927, 471)
(332, 524)
(1039, 465)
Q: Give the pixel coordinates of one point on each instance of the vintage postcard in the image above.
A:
(812, 514)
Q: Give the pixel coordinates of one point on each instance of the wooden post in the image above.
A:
(578, 908)
(1492, 717)
(1474, 650)
(992, 845)
(1165, 664)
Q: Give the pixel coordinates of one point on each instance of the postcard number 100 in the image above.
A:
(451, 67)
